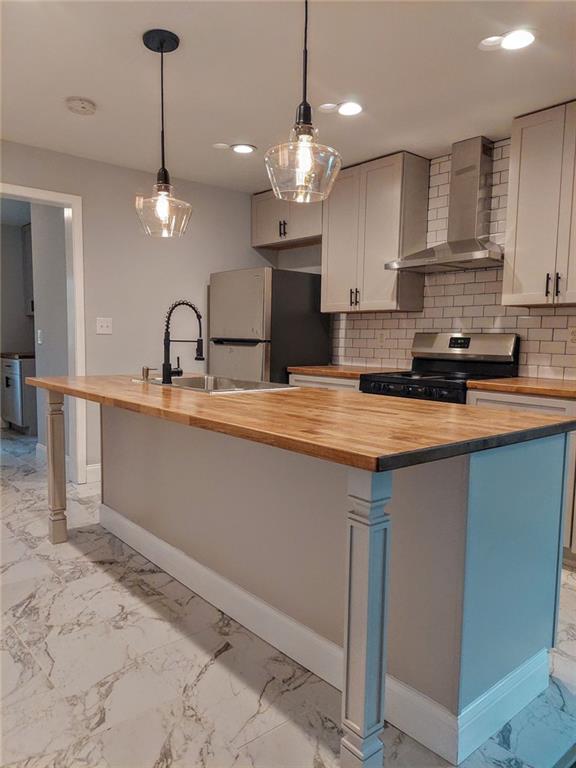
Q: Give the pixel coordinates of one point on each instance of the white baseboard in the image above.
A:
(93, 471)
(488, 713)
(422, 718)
(431, 724)
(302, 644)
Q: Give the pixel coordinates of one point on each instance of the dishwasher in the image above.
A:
(18, 400)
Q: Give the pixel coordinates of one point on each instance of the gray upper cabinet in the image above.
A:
(279, 224)
(540, 253)
(376, 213)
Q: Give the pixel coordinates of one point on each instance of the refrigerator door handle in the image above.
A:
(239, 342)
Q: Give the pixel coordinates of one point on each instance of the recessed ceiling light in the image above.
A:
(221, 145)
(328, 107)
(80, 106)
(349, 108)
(518, 38)
(243, 149)
(494, 41)
(511, 41)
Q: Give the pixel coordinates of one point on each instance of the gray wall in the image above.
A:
(50, 315)
(274, 522)
(128, 276)
(17, 329)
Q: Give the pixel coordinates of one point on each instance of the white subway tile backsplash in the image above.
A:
(462, 300)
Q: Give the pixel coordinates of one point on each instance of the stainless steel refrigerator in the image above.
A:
(263, 320)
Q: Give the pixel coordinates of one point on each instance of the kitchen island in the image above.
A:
(278, 508)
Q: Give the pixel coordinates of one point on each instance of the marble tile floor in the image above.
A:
(108, 662)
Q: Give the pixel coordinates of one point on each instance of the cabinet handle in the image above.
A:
(557, 285)
(351, 297)
(284, 228)
(547, 291)
(279, 229)
(357, 297)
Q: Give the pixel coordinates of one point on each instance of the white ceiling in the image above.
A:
(236, 77)
(15, 213)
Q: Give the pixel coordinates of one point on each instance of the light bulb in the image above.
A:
(304, 165)
(163, 207)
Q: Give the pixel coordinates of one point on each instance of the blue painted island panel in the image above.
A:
(512, 560)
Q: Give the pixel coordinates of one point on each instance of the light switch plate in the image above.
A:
(39, 336)
(103, 325)
(572, 335)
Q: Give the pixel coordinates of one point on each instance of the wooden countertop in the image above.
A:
(359, 430)
(336, 371)
(524, 385)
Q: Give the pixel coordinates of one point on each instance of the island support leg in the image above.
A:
(56, 450)
(365, 620)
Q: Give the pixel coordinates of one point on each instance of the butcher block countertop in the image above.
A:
(524, 385)
(359, 430)
(336, 371)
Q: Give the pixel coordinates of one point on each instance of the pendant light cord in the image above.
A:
(305, 55)
(162, 106)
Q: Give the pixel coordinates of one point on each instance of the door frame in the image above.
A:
(75, 307)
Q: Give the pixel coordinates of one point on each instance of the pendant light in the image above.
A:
(302, 170)
(162, 215)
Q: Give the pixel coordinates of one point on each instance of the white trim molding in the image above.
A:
(93, 471)
(72, 205)
(450, 736)
(488, 713)
(302, 644)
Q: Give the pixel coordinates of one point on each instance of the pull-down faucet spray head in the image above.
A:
(166, 366)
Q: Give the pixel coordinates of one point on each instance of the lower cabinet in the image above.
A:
(553, 405)
(324, 382)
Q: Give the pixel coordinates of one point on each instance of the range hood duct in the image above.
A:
(468, 245)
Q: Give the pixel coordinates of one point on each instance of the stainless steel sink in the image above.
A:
(220, 385)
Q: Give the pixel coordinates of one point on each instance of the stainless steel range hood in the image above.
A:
(468, 245)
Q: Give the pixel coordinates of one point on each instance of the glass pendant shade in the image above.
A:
(163, 215)
(301, 170)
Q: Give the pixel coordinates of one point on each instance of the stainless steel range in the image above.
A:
(442, 363)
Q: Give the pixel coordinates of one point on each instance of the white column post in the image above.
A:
(365, 621)
(56, 450)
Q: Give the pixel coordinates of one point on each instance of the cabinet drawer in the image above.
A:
(12, 367)
(324, 382)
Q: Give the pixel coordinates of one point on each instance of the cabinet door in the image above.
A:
(304, 221)
(533, 207)
(268, 215)
(340, 243)
(566, 257)
(379, 242)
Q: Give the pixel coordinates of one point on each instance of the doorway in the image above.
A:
(51, 336)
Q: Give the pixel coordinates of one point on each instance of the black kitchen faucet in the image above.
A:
(167, 370)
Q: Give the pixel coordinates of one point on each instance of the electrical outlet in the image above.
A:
(572, 335)
(103, 325)
(39, 336)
